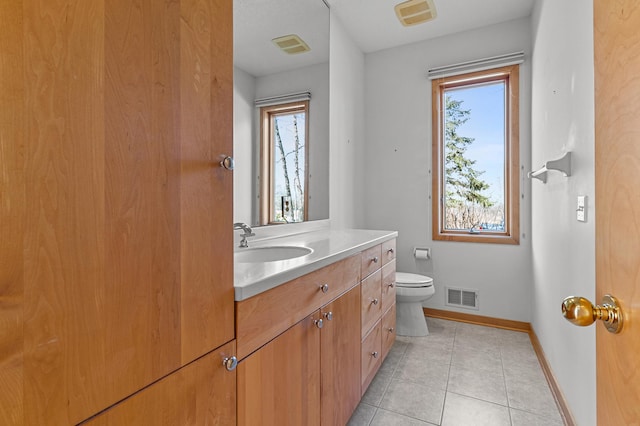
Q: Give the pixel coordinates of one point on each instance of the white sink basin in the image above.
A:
(270, 254)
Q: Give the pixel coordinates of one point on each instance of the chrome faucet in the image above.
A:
(247, 233)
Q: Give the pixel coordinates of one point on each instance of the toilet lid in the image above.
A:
(405, 279)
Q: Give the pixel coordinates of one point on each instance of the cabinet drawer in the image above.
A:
(371, 300)
(371, 355)
(371, 260)
(388, 330)
(264, 316)
(388, 285)
(388, 251)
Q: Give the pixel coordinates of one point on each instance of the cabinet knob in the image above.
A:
(328, 315)
(230, 363)
(392, 284)
(390, 329)
(375, 301)
(228, 163)
(324, 288)
(319, 323)
(375, 259)
(374, 354)
(390, 251)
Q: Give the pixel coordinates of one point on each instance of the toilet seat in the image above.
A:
(406, 279)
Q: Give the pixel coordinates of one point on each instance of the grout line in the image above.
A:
(375, 413)
(504, 380)
(446, 390)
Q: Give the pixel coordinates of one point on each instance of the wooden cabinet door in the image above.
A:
(279, 384)
(340, 358)
(201, 393)
(119, 220)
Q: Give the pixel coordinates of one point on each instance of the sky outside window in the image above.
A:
(486, 125)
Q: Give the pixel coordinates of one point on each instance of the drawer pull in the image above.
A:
(392, 284)
(374, 354)
(375, 259)
(375, 301)
(230, 363)
(390, 329)
(390, 251)
(319, 323)
(328, 315)
(324, 288)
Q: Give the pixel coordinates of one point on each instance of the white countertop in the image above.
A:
(328, 245)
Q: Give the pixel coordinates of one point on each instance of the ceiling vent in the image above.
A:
(413, 12)
(291, 44)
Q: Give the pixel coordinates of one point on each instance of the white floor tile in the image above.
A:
(489, 376)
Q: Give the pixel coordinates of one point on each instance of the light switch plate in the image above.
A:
(581, 210)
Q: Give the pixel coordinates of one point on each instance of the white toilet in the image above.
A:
(411, 291)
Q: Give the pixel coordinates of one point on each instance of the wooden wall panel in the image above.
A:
(12, 205)
(206, 133)
(117, 245)
(142, 193)
(64, 180)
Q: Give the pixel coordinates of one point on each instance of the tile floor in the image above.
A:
(460, 375)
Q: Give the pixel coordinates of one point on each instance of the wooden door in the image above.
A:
(617, 120)
(116, 257)
(279, 384)
(201, 393)
(340, 358)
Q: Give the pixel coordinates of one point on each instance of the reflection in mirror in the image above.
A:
(281, 111)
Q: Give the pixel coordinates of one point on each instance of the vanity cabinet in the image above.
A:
(378, 308)
(308, 373)
(309, 348)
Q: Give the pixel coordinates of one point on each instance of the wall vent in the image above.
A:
(462, 298)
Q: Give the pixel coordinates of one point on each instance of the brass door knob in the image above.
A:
(582, 312)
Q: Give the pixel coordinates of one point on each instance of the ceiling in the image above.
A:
(372, 24)
(257, 22)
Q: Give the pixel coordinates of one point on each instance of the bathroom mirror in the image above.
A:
(262, 71)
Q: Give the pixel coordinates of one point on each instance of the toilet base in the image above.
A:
(410, 320)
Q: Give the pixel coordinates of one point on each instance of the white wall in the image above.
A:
(247, 89)
(398, 161)
(563, 248)
(244, 178)
(347, 129)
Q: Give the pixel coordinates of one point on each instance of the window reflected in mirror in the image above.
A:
(284, 162)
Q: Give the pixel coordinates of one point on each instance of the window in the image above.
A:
(475, 154)
(284, 163)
